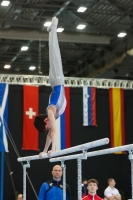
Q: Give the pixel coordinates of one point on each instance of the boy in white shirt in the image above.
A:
(111, 193)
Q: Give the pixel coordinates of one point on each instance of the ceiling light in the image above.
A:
(121, 34)
(81, 9)
(24, 48)
(81, 26)
(7, 66)
(60, 30)
(5, 3)
(47, 24)
(32, 67)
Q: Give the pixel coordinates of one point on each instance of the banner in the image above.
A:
(89, 106)
(63, 125)
(117, 122)
(30, 110)
(3, 117)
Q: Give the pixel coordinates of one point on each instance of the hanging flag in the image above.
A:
(117, 123)
(63, 125)
(30, 110)
(3, 116)
(89, 106)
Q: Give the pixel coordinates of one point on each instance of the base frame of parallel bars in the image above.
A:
(64, 179)
(79, 172)
(25, 166)
(131, 160)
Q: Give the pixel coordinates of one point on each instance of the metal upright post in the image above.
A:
(64, 179)
(79, 161)
(25, 166)
(79, 174)
(2, 152)
(131, 159)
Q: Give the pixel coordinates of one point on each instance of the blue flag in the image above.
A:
(3, 116)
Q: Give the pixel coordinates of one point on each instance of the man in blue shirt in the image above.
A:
(53, 189)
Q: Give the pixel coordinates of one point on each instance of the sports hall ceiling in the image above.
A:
(95, 51)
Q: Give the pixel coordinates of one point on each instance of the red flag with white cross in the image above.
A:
(30, 110)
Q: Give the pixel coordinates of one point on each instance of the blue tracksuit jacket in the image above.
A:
(53, 190)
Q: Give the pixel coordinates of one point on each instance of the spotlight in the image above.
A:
(5, 3)
(59, 30)
(81, 26)
(24, 48)
(121, 34)
(7, 66)
(81, 9)
(47, 24)
(32, 67)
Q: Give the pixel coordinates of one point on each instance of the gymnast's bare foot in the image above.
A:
(54, 23)
(49, 153)
(41, 154)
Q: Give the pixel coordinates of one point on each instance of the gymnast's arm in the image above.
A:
(48, 142)
(52, 132)
(51, 116)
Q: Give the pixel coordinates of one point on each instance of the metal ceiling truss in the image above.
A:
(64, 37)
(70, 82)
(23, 20)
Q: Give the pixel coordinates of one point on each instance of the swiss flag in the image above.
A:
(30, 110)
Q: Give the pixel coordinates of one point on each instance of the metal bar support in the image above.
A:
(64, 179)
(25, 166)
(131, 159)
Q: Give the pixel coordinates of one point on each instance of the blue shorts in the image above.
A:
(58, 99)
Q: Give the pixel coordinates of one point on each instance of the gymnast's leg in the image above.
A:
(56, 76)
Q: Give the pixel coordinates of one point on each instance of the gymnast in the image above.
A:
(57, 100)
